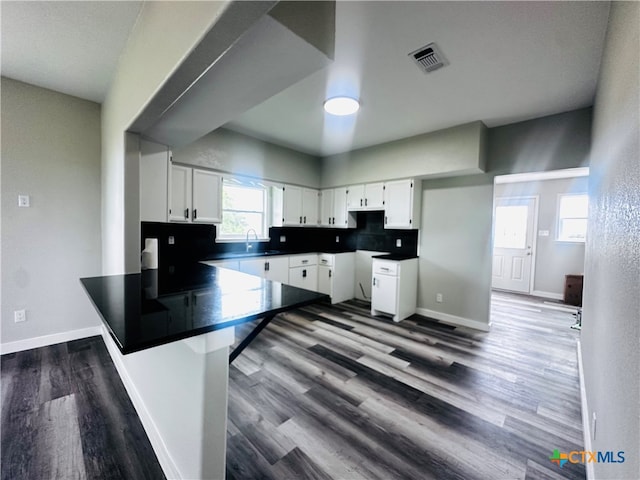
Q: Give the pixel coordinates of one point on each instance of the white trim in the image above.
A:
(164, 458)
(454, 320)
(549, 175)
(586, 425)
(543, 294)
(46, 340)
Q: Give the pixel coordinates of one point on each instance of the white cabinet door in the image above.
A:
(254, 266)
(355, 199)
(154, 182)
(230, 264)
(207, 197)
(325, 280)
(327, 213)
(180, 194)
(310, 208)
(374, 196)
(341, 217)
(292, 206)
(304, 277)
(278, 269)
(398, 204)
(384, 292)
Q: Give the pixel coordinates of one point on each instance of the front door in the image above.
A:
(513, 228)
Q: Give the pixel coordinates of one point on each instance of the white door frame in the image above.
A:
(534, 234)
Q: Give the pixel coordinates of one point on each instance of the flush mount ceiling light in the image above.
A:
(341, 106)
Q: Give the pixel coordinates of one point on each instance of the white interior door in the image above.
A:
(513, 229)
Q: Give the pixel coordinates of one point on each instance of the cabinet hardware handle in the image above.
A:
(334, 220)
(305, 219)
(304, 273)
(300, 219)
(360, 202)
(329, 220)
(324, 261)
(329, 273)
(186, 213)
(384, 268)
(385, 219)
(195, 213)
(374, 281)
(365, 202)
(305, 261)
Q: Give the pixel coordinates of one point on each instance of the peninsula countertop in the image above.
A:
(155, 307)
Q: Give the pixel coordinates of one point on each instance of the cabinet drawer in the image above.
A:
(303, 260)
(325, 259)
(385, 268)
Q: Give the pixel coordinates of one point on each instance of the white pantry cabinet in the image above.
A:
(195, 196)
(333, 209)
(402, 204)
(369, 196)
(295, 206)
(154, 181)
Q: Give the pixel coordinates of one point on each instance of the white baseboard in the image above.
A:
(454, 320)
(554, 296)
(157, 443)
(586, 424)
(46, 340)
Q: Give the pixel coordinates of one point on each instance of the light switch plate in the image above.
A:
(543, 233)
(24, 201)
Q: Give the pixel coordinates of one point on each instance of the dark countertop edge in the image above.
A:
(193, 333)
(394, 257)
(240, 256)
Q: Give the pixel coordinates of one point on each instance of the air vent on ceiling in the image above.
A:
(428, 58)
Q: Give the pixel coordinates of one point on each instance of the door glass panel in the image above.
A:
(511, 226)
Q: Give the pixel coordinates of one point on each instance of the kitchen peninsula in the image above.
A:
(168, 332)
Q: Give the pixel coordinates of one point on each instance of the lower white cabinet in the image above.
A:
(274, 268)
(230, 264)
(303, 271)
(336, 275)
(394, 287)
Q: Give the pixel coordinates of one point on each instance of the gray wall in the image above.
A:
(50, 151)
(455, 151)
(554, 259)
(611, 320)
(465, 205)
(233, 152)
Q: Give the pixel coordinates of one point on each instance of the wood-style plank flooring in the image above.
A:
(66, 415)
(327, 392)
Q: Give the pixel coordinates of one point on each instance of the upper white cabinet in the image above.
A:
(402, 204)
(194, 195)
(333, 209)
(369, 196)
(295, 206)
(154, 181)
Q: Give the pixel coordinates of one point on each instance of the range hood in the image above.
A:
(254, 51)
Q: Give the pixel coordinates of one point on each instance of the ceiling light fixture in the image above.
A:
(341, 106)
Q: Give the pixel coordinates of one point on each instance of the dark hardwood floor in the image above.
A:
(327, 392)
(66, 415)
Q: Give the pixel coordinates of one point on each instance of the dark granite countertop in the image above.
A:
(394, 256)
(156, 307)
(267, 253)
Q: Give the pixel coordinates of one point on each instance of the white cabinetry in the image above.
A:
(333, 209)
(154, 181)
(336, 275)
(303, 271)
(368, 196)
(230, 264)
(402, 204)
(394, 287)
(194, 195)
(295, 206)
(274, 268)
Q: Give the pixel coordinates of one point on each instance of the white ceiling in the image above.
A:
(69, 47)
(509, 61)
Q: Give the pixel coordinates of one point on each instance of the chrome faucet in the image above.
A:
(249, 245)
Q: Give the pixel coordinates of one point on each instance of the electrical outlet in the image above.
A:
(24, 201)
(439, 298)
(337, 239)
(283, 239)
(593, 425)
(20, 316)
(172, 240)
(398, 242)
